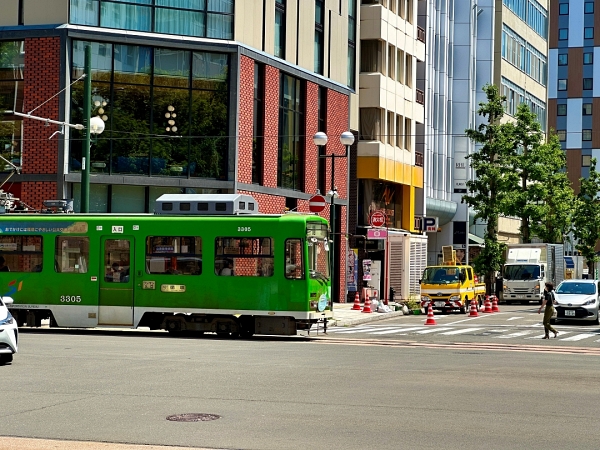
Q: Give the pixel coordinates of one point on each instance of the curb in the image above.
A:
(367, 317)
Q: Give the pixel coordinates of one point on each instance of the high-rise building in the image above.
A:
(573, 87)
(470, 44)
(389, 162)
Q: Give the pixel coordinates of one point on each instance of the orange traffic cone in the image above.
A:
(473, 310)
(356, 306)
(488, 305)
(430, 318)
(367, 308)
(495, 304)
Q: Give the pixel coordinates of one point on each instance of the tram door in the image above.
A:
(115, 302)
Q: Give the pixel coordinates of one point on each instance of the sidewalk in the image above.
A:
(344, 315)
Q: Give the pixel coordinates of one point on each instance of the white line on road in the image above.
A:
(512, 335)
(355, 330)
(579, 337)
(513, 318)
(432, 330)
(397, 330)
(540, 336)
(466, 330)
(481, 315)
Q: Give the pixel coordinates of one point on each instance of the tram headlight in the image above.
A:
(313, 305)
(425, 298)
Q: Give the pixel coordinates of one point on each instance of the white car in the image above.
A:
(578, 300)
(9, 333)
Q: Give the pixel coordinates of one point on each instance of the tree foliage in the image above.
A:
(495, 179)
(543, 199)
(553, 221)
(586, 217)
(517, 174)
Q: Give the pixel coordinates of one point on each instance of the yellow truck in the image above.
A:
(451, 287)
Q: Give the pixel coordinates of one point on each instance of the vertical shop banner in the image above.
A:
(366, 269)
(352, 264)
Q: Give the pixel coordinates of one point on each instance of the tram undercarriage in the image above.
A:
(222, 325)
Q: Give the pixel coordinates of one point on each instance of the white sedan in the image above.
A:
(578, 300)
(9, 333)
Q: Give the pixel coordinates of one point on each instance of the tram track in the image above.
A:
(564, 350)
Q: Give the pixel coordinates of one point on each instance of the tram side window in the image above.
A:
(174, 255)
(294, 267)
(244, 257)
(20, 253)
(72, 254)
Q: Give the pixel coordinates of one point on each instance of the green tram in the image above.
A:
(201, 263)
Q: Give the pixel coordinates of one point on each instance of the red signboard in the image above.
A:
(377, 219)
(316, 204)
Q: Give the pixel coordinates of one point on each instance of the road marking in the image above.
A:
(513, 318)
(562, 333)
(466, 330)
(536, 337)
(512, 335)
(397, 330)
(432, 330)
(579, 337)
(355, 330)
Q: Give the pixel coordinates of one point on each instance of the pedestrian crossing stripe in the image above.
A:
(579, 337)
(449, 331)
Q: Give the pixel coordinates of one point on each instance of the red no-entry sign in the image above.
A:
(316, 204)
(377, 219)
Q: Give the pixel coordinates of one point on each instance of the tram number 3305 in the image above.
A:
(244, 229)
(70, 298)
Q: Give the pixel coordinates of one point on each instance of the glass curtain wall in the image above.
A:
(291, 109)
(12, 66)
(199, 18)
(165, 111)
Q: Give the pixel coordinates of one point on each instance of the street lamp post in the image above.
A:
(320, 140)
(93, 125)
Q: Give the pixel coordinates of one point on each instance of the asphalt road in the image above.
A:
(294, 393)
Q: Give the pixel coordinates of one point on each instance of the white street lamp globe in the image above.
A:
(320, 138)
(96, 125)
(347, 138)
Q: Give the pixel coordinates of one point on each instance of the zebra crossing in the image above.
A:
(498, 333)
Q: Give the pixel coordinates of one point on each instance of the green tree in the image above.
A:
(556, 195)
(544, 196)
(495, 179)
(528, 160)
(586, 217)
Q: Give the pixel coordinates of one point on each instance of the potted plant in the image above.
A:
(413, 305)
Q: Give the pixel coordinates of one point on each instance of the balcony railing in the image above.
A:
(420, 96)
(420, 34)
(418, 159)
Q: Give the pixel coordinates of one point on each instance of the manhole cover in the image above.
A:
(192, 417)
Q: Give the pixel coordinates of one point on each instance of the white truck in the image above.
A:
(527, 268)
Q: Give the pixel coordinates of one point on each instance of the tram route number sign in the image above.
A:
(377, 219)
(316, 203)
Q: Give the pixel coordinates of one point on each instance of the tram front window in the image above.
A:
(318, 257)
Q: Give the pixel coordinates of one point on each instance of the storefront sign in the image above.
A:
(376, 234)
